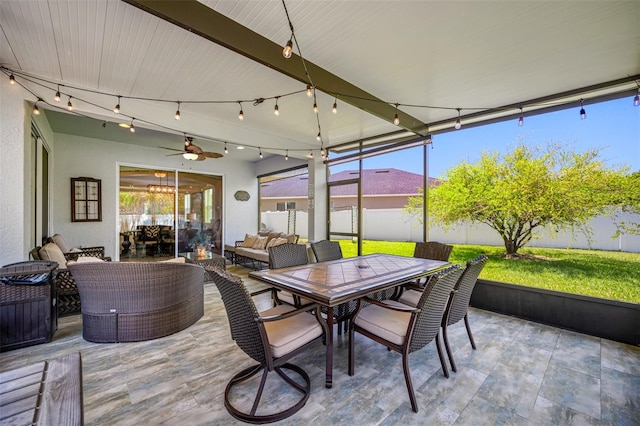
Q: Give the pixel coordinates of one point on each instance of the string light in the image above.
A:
(458, 122)
(12, 79)
(36, 111)
(116, 109)
(260, 152)
(288, 48)
(57, 96)
(636, 99)
(334, 109)
(318, 137)
(226, 151)
(396, 119)
(286, 155)
(311, 154)
(309, 92)
(241, 113)
(69, 104)
(132, 128)
(583, 113)
(178, 112)
(276, 110)
(315, 107)
(521, 119)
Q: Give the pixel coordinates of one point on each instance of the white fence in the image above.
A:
(396, 225)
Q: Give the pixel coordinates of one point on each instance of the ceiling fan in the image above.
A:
(193, 152)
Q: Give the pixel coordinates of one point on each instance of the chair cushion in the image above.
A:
(85, 259)
(175, 260)
(52, 252)
(287, 297)
(410, 297)
(289, 334)
(386, 323)
(60, 242)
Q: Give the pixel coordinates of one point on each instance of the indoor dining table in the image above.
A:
(338, 281)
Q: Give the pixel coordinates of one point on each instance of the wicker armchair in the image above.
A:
(271, 338)
(458, 304)
(403, 328)
(134, 301)
(283, 256)
(68, 297)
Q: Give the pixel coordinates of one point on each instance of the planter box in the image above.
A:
(610, 319)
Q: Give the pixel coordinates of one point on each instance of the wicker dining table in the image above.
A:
(339, 281)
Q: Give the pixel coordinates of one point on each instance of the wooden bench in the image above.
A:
(46, 393)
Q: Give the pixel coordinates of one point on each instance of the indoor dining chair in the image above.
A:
(405, 329)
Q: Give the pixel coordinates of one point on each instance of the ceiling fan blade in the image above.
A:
(170, 149)
(201, 157)
(209, 154)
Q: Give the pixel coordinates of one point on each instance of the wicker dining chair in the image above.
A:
(283, 256)
(403, 328)
(325, 251)
(425, 250)
(458, 305)
(271, 338)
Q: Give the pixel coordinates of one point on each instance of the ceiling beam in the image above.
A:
(206, 22)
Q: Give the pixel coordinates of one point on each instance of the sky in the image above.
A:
(613, 127)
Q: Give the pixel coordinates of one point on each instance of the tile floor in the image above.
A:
(521, 373)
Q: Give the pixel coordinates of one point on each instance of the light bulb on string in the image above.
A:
(396, 119)
(315, 107)
(69, 104)
(116, 109)
(178, 112)
(241, 113)
(458, 124)
(521, 119)
(57, 96)
(276, 110)
(260, 152)
(636, 99)
(334, 109)
(583, 113)
(226, 151)
(286, 155)
(12, 79)
(318, 137)
(132, 128)
(309, 92)
(36, 110)
(288, 49)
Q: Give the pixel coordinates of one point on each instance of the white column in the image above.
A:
(317, 227)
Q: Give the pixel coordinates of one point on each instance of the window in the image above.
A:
(86, 202)
(283, 206)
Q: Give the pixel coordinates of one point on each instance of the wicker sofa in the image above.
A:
(256, 252)
(134, 301)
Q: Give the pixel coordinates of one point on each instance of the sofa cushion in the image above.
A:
(61, 243)
(85, 259)
(260, 243)
(261, 255)
(52, 252)
(276, 242)
(175, 260)
(249, 240)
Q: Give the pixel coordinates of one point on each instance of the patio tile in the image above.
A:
(578, 391)
(577, 352)
(510, 388)
(481, 412)
(621, 357)
(546, 412)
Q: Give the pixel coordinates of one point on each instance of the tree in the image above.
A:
(530, 189)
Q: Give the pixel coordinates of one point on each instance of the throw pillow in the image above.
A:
(276, 242)
(260, 243)
(52, 252)
(249, 240)
(60, 242)
(291, 238)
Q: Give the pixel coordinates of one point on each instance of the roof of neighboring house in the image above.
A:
(374, 182)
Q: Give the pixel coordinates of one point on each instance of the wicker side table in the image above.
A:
(208, 262)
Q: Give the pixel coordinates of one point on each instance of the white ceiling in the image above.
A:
(474, 55)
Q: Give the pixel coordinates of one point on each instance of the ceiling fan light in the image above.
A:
(190, 156)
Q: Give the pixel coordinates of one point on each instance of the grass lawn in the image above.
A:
(606, 274)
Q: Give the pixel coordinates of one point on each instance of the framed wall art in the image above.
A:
(86, 200)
